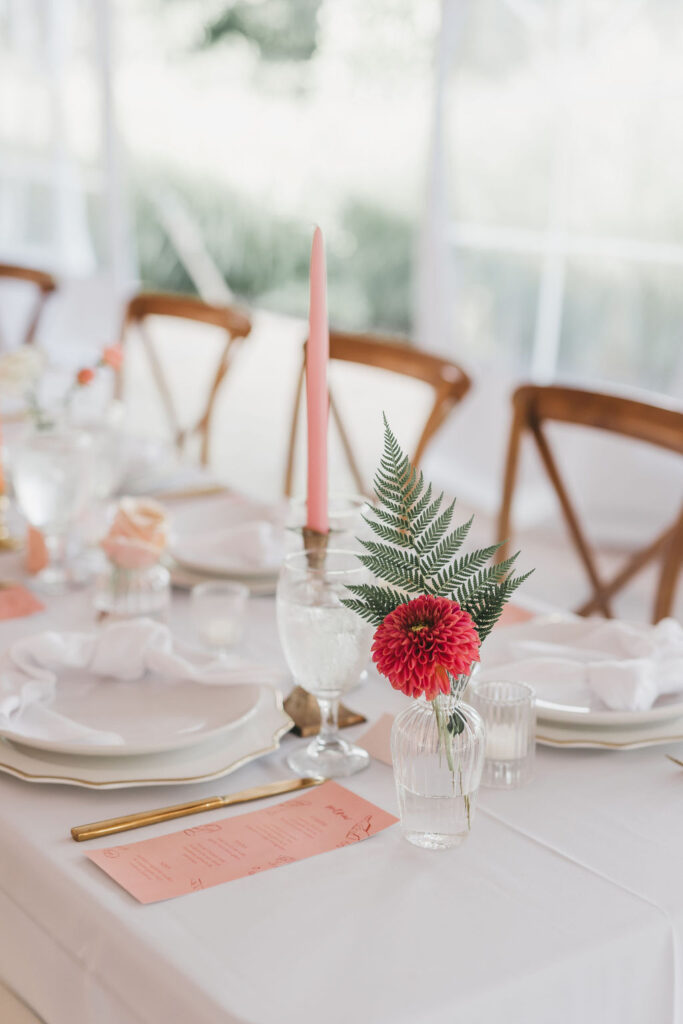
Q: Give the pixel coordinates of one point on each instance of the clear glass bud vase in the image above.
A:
(437, 750)
(130, 593)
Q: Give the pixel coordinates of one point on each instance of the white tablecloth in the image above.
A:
(564, 905)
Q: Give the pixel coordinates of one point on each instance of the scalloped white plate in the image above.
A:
(258, 735)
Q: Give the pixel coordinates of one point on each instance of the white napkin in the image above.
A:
(626, 666)
(123, 650)
(246, 546)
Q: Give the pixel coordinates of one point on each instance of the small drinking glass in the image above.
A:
(219, 610)
(52, 476)
(325, 645)
(509, 714)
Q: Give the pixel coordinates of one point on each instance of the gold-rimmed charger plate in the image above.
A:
(212, 759)
(593, 737)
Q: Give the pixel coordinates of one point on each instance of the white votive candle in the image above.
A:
(221, 632)
(509, 714)
(505, 742)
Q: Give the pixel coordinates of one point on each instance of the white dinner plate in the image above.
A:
(194, 522)
(604, 738)
(151, 716)
(258, 734)
(572, 703)
(586, 712)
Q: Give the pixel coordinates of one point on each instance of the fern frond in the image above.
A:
(415, 553)
(446, 549)
(448, 580)
(486, 610)
(390, 534)
(393, 572)
(427, 538)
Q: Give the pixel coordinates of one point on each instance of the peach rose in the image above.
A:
(138, 535)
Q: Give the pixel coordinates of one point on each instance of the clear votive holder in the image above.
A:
(509, 714)
(219, 611)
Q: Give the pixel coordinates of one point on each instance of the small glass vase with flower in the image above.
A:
(431, 610)
(135, 582)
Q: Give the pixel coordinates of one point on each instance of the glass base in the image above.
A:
(506, 774)
(434, 840)
(334, 760)
(56, 580)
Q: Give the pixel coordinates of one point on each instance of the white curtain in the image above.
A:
(537, 256)
(62, 197)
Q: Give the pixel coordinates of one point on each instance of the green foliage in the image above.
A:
(281, 29)
(264, 257)
(416, 553)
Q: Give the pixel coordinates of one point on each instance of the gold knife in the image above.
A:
(122, 824)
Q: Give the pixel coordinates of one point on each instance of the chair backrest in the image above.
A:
(448, 380)
(233, 322)
(45, 284)
(658, 425)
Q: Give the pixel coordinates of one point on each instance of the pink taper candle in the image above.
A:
(317, 402)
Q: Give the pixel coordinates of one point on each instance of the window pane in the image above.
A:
(622, 323)
(494, 307)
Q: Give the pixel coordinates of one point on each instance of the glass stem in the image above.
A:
(329, 723)
(56, 549)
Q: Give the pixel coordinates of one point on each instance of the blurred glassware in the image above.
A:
(219, 612)
(110, 449)
(52, 474)
(135, 583)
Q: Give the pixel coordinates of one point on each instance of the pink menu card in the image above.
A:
(321, 819)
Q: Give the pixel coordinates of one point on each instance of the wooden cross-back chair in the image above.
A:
(657, 425)
(45, 284)
(449, 381)
(186, 307)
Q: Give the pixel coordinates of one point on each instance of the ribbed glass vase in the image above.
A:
(131, 593)
(437, 750)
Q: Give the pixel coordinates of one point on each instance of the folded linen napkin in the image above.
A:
(127, 651)
(626, 666)
(246, 546)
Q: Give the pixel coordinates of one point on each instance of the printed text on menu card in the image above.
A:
(199, 857)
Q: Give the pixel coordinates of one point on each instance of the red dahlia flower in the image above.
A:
(424, 641)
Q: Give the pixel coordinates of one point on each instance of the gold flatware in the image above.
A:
(208, 491)
(675, 760)
(112, 825)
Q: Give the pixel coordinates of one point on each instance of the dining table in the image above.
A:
(564, 904)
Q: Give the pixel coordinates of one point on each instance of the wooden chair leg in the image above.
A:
(671, 569)
(30, 336)
(631, 569)
(571, 519)
(346, 445)
(509, 481)
(289, 469)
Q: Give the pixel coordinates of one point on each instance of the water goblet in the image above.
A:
(52, 477)
(219, 610)
(325, 645)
